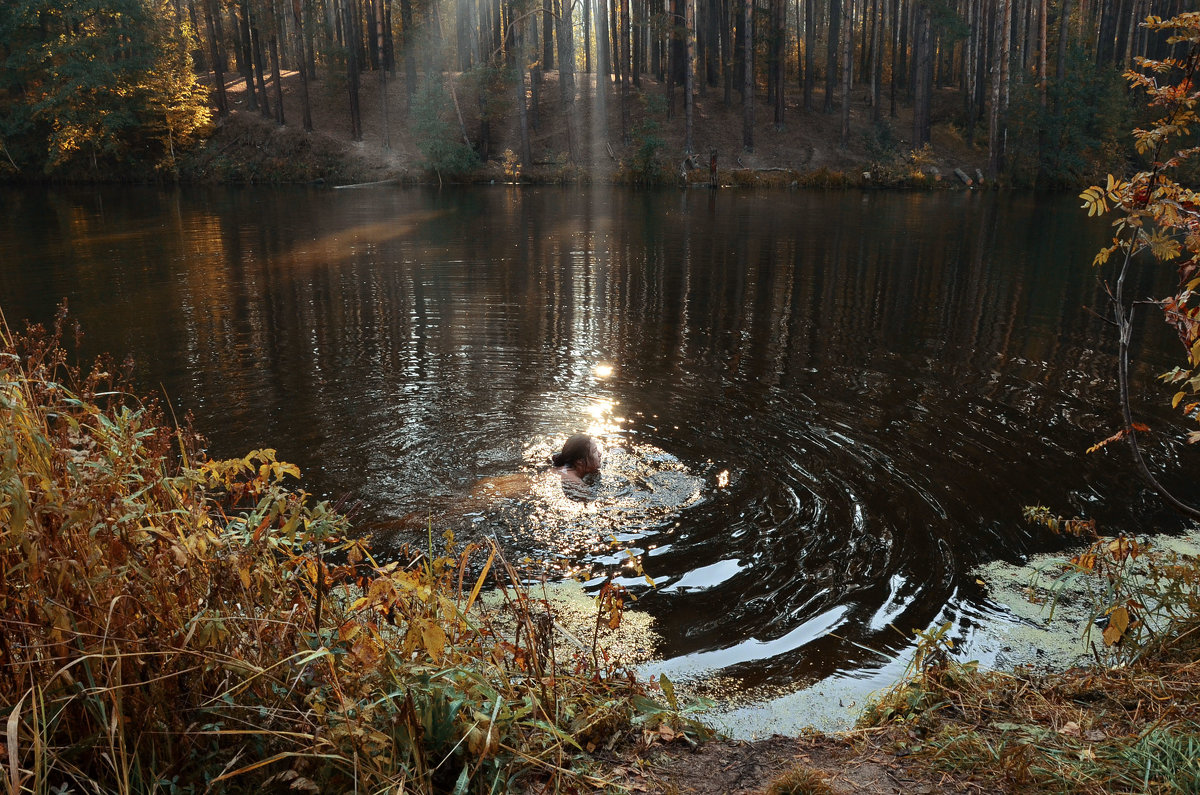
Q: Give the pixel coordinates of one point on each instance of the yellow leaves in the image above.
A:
(1162, 246)
(349, 631)
(1096, 200)
(1102, 256)
(1118, 624)
(434, 638)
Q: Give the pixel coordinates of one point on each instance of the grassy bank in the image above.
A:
(177, 624)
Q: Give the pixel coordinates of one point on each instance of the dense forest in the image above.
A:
(118, 88)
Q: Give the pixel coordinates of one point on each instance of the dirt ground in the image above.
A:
(856, 762)
(251, 148)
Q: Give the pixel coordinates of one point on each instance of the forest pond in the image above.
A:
(821, 410)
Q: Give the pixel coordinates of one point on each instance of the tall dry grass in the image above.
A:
(170, 623)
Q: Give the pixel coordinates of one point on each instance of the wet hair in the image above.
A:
(579, 448)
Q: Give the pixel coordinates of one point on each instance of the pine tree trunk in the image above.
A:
(244, 58)
(383, 90)
(778, 40)
(547, 34)
(603, 70)
(348, 20)
(213, 25)
(407, 41)
(310, 49)
(895, 57)
(748, 78)
(689, 73)
(259, 70)
(877, 63)
(922, 74)
(587, 36)
(847, 70)
(969, 72)
(674, 56)
(728, 51)
(835, 34)
(305, 107)
(273, 46)
(1064, 30)
(625, 60)
(810, 53)
(997, 127)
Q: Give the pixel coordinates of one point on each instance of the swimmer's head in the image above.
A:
(580, 453)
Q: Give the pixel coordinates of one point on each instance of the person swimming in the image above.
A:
(580, 456)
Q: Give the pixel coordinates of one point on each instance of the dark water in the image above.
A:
(823, 408)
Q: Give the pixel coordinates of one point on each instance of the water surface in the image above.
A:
(822, 410)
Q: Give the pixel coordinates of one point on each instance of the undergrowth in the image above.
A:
(1130, 723)
(170, 623)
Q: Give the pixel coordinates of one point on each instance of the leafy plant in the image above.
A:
(646, 166)
(441, 145)
(1144, 601)
(1158, 220)
(512, 166)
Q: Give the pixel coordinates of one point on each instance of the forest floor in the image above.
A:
(805, 150)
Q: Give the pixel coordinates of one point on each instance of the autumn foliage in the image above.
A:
(1157, 218)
